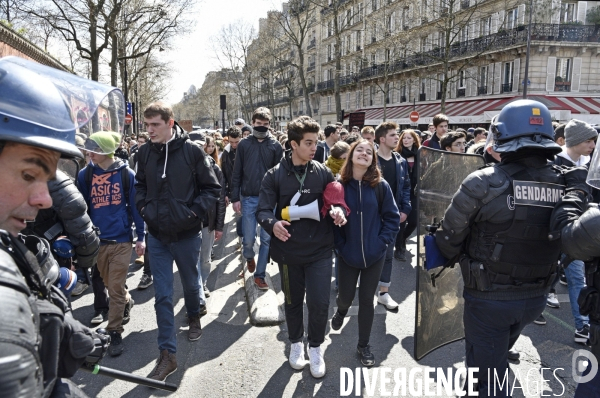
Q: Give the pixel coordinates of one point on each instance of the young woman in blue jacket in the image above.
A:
(371, 226)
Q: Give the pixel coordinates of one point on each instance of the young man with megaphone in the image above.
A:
(303, 192)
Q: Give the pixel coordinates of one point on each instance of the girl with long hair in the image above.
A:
(362, 243)
(212, 150)
(408, 146)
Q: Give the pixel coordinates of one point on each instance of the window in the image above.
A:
(359, 12)
(508, 73)
(442, 40)
(512, 18)
(485, 26)
(567, 12)
(405, 24)
(329, 28)
(563, 69)
(347, 100)
(349, 17)
(423, 44)
(461, 79)
(373, 59)
(358, 40)
(371, 95)
(374, 3)
(329, 52)
(358, 99)
(464, 34)
(301, 106)
(483, 76)
(329, 103)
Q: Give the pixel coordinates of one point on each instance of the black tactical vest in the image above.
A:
(517, 254)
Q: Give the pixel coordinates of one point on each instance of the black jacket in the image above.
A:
(168, 204)
(252, 161)
(227, 162)
(321, 154)
(310, 240)
(215, 217)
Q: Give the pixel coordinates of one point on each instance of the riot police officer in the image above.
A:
(578, 221)
(40, 341)
(498, 225)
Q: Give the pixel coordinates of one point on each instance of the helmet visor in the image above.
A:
(75, 102)
(593, 177)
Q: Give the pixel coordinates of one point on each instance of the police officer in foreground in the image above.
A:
(41, 344)
(579, 222)
(498, 224)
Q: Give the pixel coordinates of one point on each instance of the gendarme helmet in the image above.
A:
(45, 107)
(524, 124)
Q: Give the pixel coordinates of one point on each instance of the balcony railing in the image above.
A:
(460, 92)
(326, 85)
(502, 39)
(312, 44)
(481, 90)
(422, 97)
(505, 87)
(562, 86)
(282, 100)
(311, 67)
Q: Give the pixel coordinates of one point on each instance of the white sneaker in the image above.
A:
(387, 300)
(552, 301)
(317, 364)
(297, 360)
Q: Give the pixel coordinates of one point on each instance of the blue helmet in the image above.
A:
(524, 124)
(63, 247)
(46, 107)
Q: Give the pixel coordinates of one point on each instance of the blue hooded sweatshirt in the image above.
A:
(366, 235)
(106, 202)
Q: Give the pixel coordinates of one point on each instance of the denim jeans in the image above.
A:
(208, 238)
(185, 253)
(249, 223)
(575, 273)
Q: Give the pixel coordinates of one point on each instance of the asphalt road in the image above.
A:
(235, 359)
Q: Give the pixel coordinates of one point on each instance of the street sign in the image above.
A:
(414, 116)
(356, 119)
(128, 119)
(129, 108)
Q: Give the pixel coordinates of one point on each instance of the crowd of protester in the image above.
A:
(229, 170)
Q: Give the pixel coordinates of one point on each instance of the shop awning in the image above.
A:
(482, 110)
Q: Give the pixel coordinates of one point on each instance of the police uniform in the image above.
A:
(498, 224)
(40, 341)
(579, 223)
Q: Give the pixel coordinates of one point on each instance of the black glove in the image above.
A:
(575, 179)
(77, 343)
(101, 343)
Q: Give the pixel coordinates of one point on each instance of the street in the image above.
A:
(235, 359)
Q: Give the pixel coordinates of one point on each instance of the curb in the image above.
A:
(263, 305)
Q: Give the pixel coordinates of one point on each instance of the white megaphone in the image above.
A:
(293, 213)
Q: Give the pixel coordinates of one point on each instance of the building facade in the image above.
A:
(385, 58)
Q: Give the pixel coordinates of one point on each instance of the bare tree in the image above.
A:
(80, 22)
(296, 21)
(231, 47)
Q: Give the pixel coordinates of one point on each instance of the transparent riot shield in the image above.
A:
(439, 314)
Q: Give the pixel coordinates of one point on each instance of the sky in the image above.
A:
(192, 56)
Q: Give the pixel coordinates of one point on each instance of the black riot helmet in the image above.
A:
(45, 107)
(524, 124)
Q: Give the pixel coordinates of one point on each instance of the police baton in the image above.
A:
(117, 374)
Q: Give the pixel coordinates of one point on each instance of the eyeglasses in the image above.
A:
(459, 144)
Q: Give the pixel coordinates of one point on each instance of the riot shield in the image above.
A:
(439, 314)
